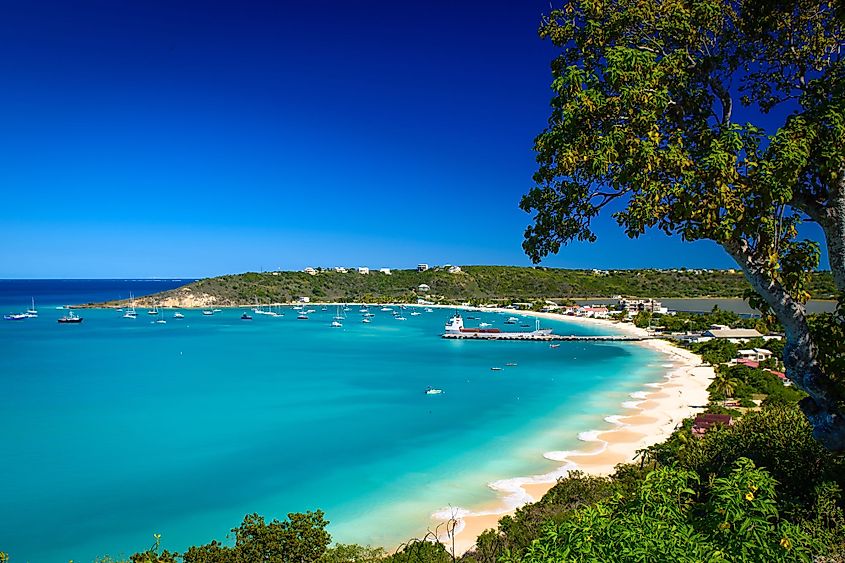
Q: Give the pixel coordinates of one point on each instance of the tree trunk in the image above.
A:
(800, 352)
(834, 231)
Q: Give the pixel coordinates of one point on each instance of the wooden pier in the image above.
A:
(541, 337)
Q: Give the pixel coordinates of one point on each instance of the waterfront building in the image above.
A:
(634, 306)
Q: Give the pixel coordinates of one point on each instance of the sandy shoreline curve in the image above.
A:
(648, 418)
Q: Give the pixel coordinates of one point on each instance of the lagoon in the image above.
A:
(117, 429)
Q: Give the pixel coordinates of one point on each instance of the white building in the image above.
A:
(340, 270)
(454, 269)
(363, 270)
(304, 300)
(594, 312)
(385, 271)
(423, 287)
(422, 267)
(735, 335)
(310, 271)
(755, 354)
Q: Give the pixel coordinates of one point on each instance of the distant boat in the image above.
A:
(337, 324)
(510, 364)
(70, 318)
(302, 316)
(178, 315)
(385, 309)
(15, 317)
(554, 345)
(400, 318)
(511, 321)
(159, 313)
(216, 310)
(339, 316)
(365, 320)
(484, 325)
(495, 369)
(208, 312)
(415, 313)
(433, 391)
(246, 317)
(131, 314)
(429, 310)
(32, 311)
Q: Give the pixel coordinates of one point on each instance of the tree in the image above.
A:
(643, 118)
(299, 539)
(724, 384)
(642, 319)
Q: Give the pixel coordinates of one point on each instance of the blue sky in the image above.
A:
(160, 139)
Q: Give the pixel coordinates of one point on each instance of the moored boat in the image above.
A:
(70, 318)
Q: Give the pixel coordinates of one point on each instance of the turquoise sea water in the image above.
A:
(117, 429)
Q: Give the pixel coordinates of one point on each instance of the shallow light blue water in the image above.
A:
(117, 429)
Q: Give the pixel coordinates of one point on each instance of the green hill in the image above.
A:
(478, 284)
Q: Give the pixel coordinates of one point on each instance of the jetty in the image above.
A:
(455, 330)
(548, 337)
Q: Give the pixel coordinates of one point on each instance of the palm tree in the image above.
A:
(724, 384)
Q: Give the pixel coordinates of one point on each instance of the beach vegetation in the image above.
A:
(716, 120)
(761, 490)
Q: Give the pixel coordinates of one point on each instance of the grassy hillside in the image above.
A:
(474, 283)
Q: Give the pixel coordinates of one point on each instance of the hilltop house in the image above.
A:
(385, 271)
(310, 271)
(454, 269)
(422, 267)
(363, 270)
(423, 287)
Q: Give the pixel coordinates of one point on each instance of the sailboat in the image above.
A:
(131, 314)
(337, 318)
(160, 320)
(154, 310)
(32, 312)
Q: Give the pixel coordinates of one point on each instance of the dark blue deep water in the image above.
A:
(17, 295)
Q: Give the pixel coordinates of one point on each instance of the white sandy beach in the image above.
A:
(649, 418)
